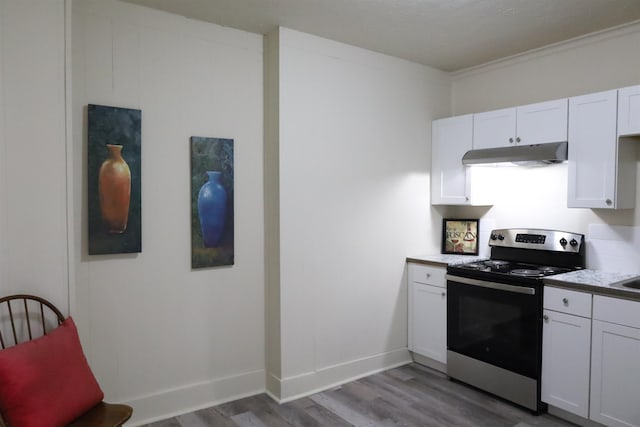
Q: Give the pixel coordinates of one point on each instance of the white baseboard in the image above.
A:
(568, 416)
(181, 400)
(273, 387)
(292, 388)
(430, 363)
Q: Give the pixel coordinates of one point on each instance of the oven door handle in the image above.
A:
(499, 286)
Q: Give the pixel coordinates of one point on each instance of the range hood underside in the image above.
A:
(555, 152)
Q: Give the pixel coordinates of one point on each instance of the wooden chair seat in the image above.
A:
(104, 415)
(39, 316)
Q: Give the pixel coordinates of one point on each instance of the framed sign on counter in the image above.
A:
(460, 236)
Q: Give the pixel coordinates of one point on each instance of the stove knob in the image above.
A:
(563, 242)
(500, 237)
(573, 242)
(494, 236)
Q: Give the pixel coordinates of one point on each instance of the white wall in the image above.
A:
(354, 151)
(272, 212)
(33, 244)
(536, 197)
(351, 192)
(159, 335)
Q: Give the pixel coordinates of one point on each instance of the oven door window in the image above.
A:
(496, 326)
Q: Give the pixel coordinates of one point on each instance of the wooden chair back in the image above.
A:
(25, 317)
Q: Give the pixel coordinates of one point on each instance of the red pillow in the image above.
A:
(47, 382)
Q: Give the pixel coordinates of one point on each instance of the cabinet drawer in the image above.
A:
(427, 274)
(614, 310)
(566, 301)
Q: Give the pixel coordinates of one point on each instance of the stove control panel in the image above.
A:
(531, 238)
(550, 240)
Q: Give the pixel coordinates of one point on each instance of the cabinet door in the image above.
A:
(449, 179)
(494, 128)
(566, 347)
(629, 111)
(592, 150)
(428, 317)
(615, 375)
(542, 122)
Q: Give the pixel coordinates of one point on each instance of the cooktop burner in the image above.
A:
(475, 265)
(496, 263)
(511, 268)
(527, 272)
(552, 270)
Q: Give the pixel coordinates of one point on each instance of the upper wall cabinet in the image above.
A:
(495, 128)
(629, 111)
(597, 161)
(451, 182)
(525, 125)
(542, 122)
(451, 138)
(603, 131)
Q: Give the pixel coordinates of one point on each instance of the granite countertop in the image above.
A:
(444, 259)
(595, 281)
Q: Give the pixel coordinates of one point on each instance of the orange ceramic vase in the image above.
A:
(114, 186)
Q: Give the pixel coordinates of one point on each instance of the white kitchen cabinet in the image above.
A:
(615, 376)
(428, 311)
(566, 349)
(601, 170)
(451, 181)
(538, 123)
(451, 138)
(495, 128)
(629, 110)
(542, 122)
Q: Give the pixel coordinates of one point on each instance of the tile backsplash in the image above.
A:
(613, 248)
(485, 226)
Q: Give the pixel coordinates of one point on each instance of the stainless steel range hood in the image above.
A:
(555, 152)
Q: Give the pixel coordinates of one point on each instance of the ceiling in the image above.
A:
(447, 34)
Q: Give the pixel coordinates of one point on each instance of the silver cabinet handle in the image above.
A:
(511, 140)
(546, 318)
(444, 294)
(518, 139)
(565, 301)
(608, 202)
(428, 275)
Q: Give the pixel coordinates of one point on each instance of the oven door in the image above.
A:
(496, 323)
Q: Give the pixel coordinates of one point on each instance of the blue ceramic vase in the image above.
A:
(212, 208)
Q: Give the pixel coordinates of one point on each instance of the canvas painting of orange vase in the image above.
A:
(114, 140)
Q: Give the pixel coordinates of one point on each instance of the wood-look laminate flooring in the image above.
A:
(411, 395)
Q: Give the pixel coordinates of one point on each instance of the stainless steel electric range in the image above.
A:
(494, 311)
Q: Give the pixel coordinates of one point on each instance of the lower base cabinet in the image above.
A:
(615, 363)
(428, 311)
(566, 345)
(591, 356)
